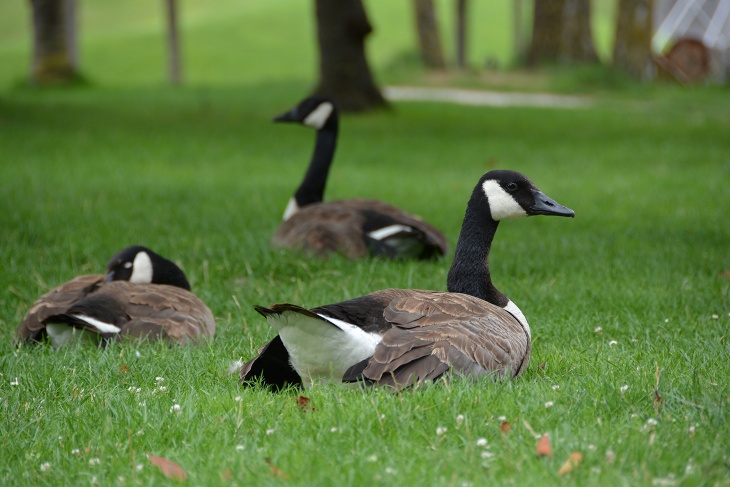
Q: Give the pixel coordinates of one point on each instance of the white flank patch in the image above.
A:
(322, 349)
(390, 230)
(501, 204)
(318, 117)
(512, 309)
(100, 326)
(142, 272)
(63, 335)
(291, 208)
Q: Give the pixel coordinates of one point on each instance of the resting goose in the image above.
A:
(142, 295)
(398, 337)
(352, 227)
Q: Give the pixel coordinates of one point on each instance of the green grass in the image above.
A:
(201, 175)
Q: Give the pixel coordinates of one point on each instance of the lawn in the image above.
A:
(628, 303)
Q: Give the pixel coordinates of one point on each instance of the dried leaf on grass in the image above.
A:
(543, 447)
(505, 427)
(304, 404)
(169, 469)
(571, 463)
(278, 473)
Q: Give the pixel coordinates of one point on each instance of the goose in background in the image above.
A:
(352, 227)
(398, 337)
(142, 296)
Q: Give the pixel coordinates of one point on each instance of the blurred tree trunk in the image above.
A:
(173, 42)
(344, 73)
(461, 34)
(429, 40)
(55, 56)
(577, 39)
(632, 48)
(547, 30)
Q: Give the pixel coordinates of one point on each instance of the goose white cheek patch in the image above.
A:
(142, 273)
(319, 116)
(501, 204)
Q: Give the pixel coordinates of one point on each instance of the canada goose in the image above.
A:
(398, 337)
(142, 295)
(352, 227)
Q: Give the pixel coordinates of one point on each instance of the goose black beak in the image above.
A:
(545, 205)
(290, 116)
(110, 276)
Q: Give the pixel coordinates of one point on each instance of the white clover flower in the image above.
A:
(175, 408)
(556, 387)
(14, 382)
(270, 431)
(390, 471)
(624, 388)
(45, 467)
(240, 447)
(691, 430)
(502, 419)
(75, 451)
(139, 467)
(372, 458)
(163, 389)
(591, 447)
(481, 442)
(549, 404)
(487, 454)
(94, 461)
(159, 379)
(715, 317)
(441, 430)
(382, 416)
(139, 355)
(598, 330)
(238, 398)
(652, 422)
(459, 419)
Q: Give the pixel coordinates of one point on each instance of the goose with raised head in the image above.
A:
(352, 227)
(141, 296)
(398, 337)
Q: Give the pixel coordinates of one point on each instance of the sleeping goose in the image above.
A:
(142, 295)
(352, 227)
(398, 337)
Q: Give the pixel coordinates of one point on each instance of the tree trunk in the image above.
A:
(344, 73)
(54, 42)
(461, 34)
(577, 39)
(429, 40)
(173, 42)
(547, 29)
(632, 48)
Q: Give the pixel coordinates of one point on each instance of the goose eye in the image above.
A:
(511, 186)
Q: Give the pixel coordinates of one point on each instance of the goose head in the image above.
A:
(140, 265)
(511, 195)
(316, 112)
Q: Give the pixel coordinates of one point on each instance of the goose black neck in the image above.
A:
(167, 272)
(469, 273)
(312, 188)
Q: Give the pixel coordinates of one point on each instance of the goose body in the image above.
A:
(398, 337)
(142, 296)
(352, 227)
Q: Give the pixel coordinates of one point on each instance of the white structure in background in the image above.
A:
(707, 21)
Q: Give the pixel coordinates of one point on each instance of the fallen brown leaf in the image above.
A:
(227, 475)
(278, 473)
(571, 463)
(304, 404)
(504, 427)
(725, 274)
(169, 469)
(123, 368)
(543, 447)
(543, 365)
